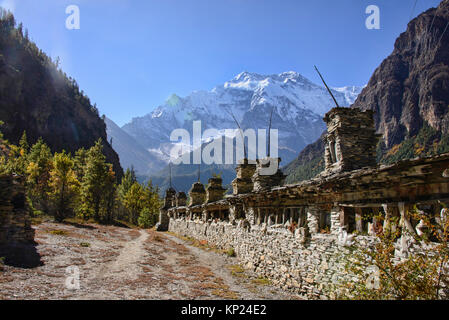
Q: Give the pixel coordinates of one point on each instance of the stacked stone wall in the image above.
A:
(311, 268)
(15, 223)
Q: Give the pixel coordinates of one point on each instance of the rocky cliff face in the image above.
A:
(38, 97)
(409, 93)
(411, 86)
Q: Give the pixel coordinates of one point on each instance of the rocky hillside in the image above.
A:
(308, 164)
(409, 93)
(36, 96)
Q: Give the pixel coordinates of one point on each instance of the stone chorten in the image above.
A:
(215, 190)
(243, 183)
(197, 194)
(351, 140)
(181, 199)
(169, 202)
(267, 182)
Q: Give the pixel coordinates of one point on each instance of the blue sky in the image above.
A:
(129, 56)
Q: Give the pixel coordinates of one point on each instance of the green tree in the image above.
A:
(79, 164)
(40, 163)
(134, 202)
(94, 183)
(147, 218)
(127, 181)
(3, 153)
(17, 159)
(110, 196)
(23, 143)
(151, 205)
(64, 186)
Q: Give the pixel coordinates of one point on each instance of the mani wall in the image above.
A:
(292, 234)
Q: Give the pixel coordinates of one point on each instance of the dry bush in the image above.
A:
(420, 274)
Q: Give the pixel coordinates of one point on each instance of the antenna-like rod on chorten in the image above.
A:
(169, 166)
(199, 172)
(329, 90)
(241, 132)
(269, 131)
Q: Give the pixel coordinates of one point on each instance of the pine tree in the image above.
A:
(3, 153)
(149, 214)
(127, 181)
(23, 143)
(110, 196)
(38, 174)
(21, 158)
(64, 186)
(79, 164)
(96, 184)
(134, 202)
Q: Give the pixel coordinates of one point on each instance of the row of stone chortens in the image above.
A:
(350, 175)
(350, 147)
(262, 217)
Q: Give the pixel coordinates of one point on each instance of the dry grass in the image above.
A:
(225, 294)
(58, 232)
(207, 286)
(134, 234)
(237, 271)
(157, 238)
(261, 281)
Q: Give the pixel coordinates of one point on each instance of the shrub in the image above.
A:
(230, 252)
(419, 274)
(147, 219)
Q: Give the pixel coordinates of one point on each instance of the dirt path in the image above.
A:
(246, 285)
(126, 264)
(117, 263)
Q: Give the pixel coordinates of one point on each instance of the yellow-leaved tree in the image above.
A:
(64, 186)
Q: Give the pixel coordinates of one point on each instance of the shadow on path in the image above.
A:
(21, 255)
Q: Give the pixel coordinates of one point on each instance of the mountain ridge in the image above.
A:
(298, 103)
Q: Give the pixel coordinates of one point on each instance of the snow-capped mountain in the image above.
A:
(299, 106)
(351, 93)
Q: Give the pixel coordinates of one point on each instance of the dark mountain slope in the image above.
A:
(409, 93)
(308, 164)
(38, 97)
